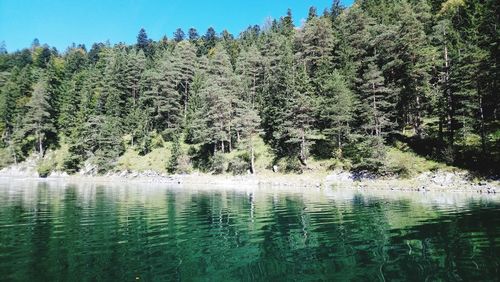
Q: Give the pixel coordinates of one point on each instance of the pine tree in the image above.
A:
(179, 35)
(316, 47)
(336, 10)
(276, 88)
(209, 41)
(193, 35)
(135, 66)
(336, 111)
(443, 37)
(353, 75)
(287, 23)
(350, 34)
(218, 95)
(298, 124)
(377, 102)
(161, 99)
(415, 72)
(9, 95)
(183, 65)
(38, 121)
(246, 124)
(70, 103)
(144, 43)
(312, 13)
(250, 67)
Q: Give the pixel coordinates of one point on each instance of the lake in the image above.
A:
(52, 231)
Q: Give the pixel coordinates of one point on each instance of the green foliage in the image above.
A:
(333, 91)
(218, 163)
(45, 167)
(239, 165)
(367, 154)
(5, 157)
(335, 111)
(176, 152)
(289, 164)
(38, 122)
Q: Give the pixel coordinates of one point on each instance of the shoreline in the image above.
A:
(427, 182)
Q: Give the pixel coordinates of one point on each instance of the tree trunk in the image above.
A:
(302, 157)
(418, 118)
(229, 139)
(40, 145)
(338, 139)
(185, 99)
(375, 119)
(449, 97)
(252, 158)
(253, 91)
(483, 135)
(440, 128)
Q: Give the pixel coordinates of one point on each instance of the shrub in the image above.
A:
(367, 154)
(5, 157)
(238, 166)
(290, 164)
(183, 164)
(44, 168)
(218, 163)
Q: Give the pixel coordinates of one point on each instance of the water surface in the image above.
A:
(90, 232)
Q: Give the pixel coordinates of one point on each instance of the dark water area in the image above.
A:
(133, 232)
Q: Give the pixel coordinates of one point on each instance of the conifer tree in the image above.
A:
(193, 35)
(250, 67)
(38, 121)
(179, 35)
(183, 65)
(316, 47)
(336, 111)
(218, 95)
(299, 118)
(377, 102)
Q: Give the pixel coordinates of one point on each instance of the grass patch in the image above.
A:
(407, 164)
(155, 160)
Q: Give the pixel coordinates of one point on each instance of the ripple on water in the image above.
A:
(53, 232)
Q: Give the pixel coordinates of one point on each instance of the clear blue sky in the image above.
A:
(62, 22)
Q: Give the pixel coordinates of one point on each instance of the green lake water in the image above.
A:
(52, 231)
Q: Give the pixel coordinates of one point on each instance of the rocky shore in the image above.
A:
(459, 181)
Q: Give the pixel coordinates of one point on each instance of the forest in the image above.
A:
(346, 86)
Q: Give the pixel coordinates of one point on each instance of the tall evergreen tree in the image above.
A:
(377, 102)
(38, 121)
(179, 35)
(336, 111)
(218, 96)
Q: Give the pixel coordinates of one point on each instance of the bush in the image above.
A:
(238, 166)
(144, 144)
(72, 161)
(5, 157)
(44, 168)
(157, 141)
(342, 164)
(218, 163)
(368, 153)
(178, 161)
(290, 164)
(183, 164)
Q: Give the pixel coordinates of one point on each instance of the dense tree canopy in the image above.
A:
(345, 85)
